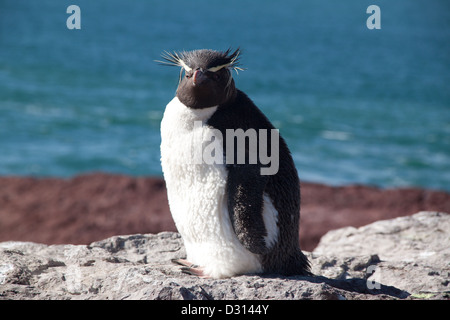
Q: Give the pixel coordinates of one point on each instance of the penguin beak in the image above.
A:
(198, 77)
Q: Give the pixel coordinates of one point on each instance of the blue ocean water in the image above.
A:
(355, 105)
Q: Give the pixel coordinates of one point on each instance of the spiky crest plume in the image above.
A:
(219, 59)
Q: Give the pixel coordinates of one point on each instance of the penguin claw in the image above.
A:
(195, 271)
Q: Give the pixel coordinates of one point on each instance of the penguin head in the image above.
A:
(207, 80)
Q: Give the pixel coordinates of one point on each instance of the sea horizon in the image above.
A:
(355, 105)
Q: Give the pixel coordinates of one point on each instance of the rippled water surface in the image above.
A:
(355, 105)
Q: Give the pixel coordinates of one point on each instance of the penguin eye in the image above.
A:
(216, 75)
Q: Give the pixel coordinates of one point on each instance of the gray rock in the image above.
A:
(139, 267)
(411, 253)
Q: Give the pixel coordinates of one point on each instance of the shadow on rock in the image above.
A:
(355, 286)
(364, 286)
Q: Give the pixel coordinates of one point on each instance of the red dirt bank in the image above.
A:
(95, 206)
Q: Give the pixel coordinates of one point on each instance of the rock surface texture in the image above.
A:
(403, 258)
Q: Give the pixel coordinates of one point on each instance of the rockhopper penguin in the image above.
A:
(233, 219)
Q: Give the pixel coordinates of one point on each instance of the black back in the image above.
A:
(246, 185)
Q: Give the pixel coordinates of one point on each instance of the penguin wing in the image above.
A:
(245, 189)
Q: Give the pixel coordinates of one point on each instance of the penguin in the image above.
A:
(233, 219)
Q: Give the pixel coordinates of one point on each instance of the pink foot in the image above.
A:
(190, 268)
(195, 271)
(183, 262)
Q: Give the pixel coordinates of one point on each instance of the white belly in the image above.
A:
(197, 196)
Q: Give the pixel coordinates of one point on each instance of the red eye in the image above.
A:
(216, 76)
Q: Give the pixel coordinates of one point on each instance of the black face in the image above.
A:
(207, 79)
(200, 88)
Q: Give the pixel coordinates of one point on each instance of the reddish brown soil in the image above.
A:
(94, 206)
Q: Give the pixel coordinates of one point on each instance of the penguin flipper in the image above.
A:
(245, 189)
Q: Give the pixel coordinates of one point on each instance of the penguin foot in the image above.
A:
(190, 268)
(184, 263)
(195, 271)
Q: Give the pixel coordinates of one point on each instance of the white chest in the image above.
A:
(196, 190)
(197, 195)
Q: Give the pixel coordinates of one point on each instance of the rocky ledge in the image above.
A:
(402, 258)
